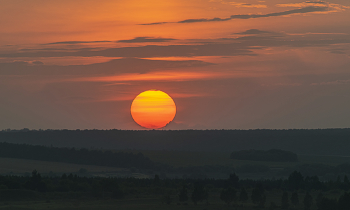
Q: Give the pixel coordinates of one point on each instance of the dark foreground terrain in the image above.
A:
(300, 141)
(76, 192)
(95, 169)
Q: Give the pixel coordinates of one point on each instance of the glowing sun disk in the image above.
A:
(153, 109)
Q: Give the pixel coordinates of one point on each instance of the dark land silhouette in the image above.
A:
(280, 178)
(275, 155)
(78, 156)
(296, 192)
(300, 141)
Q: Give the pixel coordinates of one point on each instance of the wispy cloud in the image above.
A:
(37, 63)
(281, 84)
(188, 95)
(322, 4)
(146, 39)
(76, 42)
(240, 4)
(336, 82)
(113, 67)
(307, 9)
(130, 97)
(237, 4)
(153, 76)
(256, 32)
(245, 45)
(305, 4)
(216, 49)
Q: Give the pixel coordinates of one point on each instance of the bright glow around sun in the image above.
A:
(153, 109)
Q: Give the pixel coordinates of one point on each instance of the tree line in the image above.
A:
(301, 141)
(77, 156)
(296, 192)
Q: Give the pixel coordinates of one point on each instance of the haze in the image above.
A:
(228, 65)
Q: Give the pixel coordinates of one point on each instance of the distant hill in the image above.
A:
(77, 156)
(273, 155)
(300, 141)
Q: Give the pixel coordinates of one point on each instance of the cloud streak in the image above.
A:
(237, 4)
(255, 32)
(215, 49)
(154, 76)
(146, 39)
(244, 45)
(76, 42)
(113, 67)
(308, 9)
(337, 82)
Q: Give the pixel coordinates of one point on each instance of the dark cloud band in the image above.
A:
(77, 42)
(289, 12)
(245, 44)
(146, 39)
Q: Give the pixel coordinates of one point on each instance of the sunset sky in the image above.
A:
(246, 64)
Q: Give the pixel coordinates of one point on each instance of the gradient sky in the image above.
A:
(227, 64)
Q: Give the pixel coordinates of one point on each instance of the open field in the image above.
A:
(187, 158)
(21, 166)
(173, 158)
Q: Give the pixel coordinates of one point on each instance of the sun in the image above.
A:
(153, 109)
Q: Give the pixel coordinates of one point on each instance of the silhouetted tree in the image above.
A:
(233, 180)
(35, 182)
(295, 199)
(346, 184)
(344, 201)
(199, 193)
(183, 197)
(319, 199)
(156, 180)
(273, 206)
(328, 204)
(228, 195)
(285, 201)
(64, 176)
(258, 195)
(307, 201)
(243, 195)
(117, 193)
(295, 180)
(313, 183)
(166, 199)
(262, 201)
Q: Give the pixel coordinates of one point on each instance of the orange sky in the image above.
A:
(228, 64)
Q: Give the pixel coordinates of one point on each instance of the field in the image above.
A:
(173, 158)
(14, 166)
(186, 158)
